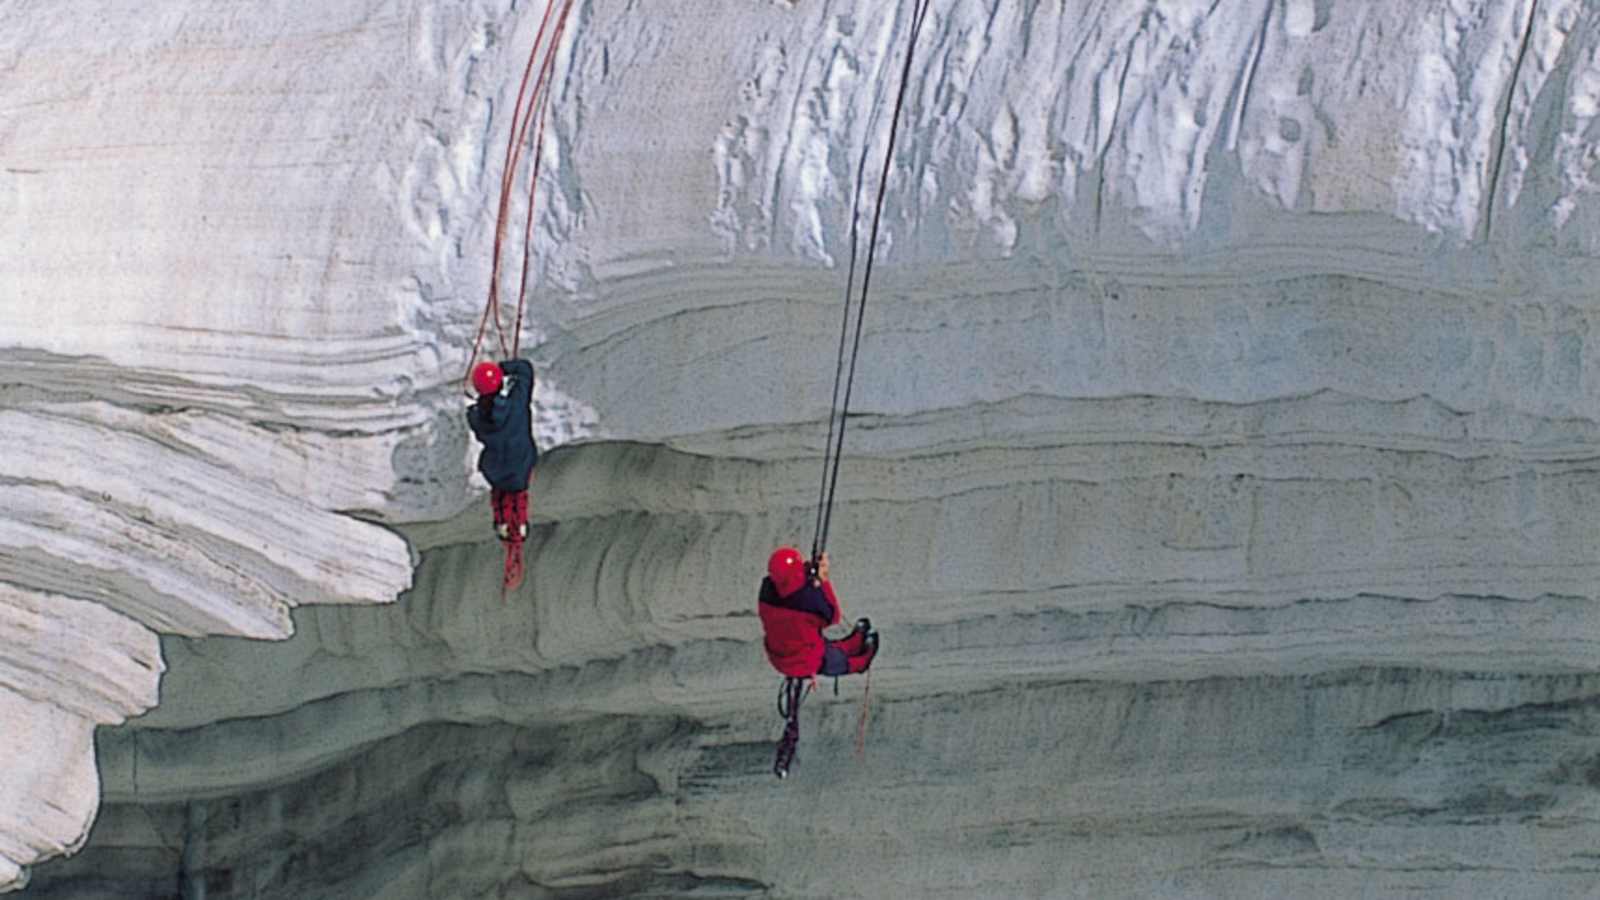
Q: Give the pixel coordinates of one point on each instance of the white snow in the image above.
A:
(1225, 348)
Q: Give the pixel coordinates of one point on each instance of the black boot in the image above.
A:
(869, 649)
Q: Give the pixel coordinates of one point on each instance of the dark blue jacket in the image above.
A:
(505, 426)
(809, 599)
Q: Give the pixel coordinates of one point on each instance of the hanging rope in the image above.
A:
(838, 366)
(533, 180)
(790, 694)
(863, 716)
(533, 101)
(834, 452)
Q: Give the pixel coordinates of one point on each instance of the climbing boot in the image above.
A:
(862, 661)
(870, 642)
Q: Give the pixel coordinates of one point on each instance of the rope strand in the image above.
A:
(844, 331)
(863, 716)
(533, 179)
(835, 451)
(521, 114)
(533, 100)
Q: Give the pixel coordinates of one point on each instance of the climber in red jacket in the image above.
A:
(796, 604)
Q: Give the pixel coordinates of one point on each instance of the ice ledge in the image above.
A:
(115, 531)
(66, 665)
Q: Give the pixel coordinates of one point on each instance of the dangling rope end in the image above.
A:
(862, 717)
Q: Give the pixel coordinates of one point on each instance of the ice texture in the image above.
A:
(1221, 472)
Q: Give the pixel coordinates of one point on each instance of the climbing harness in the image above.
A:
(794, 689)
(531, 107)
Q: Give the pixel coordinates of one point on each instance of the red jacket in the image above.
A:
(794, 626)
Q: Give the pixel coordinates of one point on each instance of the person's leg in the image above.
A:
(854, 645)
(511, 579)
(517, 513)
(834, 660)
(523, 504)
(497, 502)
(861, 662)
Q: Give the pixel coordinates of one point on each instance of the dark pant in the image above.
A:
(847, 657)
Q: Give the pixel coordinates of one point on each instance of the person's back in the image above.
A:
(795, 605)
(793, 616)
(502, 420)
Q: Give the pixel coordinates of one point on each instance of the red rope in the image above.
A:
(507, 173)
(521, 113)
(533, 180)
(861, 719)
(530, 105)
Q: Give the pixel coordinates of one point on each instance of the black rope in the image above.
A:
(834, 453)
(838, 366)
(789, 697)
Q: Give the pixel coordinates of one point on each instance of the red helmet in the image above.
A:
(788, 570)
(487, 378)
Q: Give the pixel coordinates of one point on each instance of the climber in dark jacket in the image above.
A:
(796, 603)
(502, 418)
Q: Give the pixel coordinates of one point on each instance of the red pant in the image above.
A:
(511, 510)
(850, 656)
(511, 526)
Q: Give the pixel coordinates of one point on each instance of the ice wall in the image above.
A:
(1223, 481)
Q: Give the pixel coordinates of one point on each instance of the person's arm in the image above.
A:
(833, 601)
(522, 372)
(810, 599)
(822, 581)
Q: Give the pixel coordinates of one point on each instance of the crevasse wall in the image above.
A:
(1223, 479)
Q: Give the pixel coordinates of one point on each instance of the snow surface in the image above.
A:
(1225, 455)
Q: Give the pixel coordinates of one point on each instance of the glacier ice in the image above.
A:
(1222, 479)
